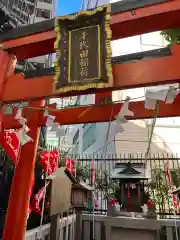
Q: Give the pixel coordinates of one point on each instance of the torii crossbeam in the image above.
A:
(38, 39)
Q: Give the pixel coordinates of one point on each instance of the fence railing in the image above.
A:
(66, 230)
(158, 187)
(169, 228)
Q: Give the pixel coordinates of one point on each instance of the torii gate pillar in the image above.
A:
(16, 217)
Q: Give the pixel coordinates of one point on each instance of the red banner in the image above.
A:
(93, 173)
(70, 165)
(10, 143)
(49, 161)
(37, 199)
(171, 186)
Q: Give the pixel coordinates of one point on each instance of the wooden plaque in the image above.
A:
(83, 51)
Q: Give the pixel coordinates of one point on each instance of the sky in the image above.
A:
(64, 7)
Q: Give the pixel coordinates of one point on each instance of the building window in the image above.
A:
(24, 16)
(76, 136)
(89, 135)
(29, 8)
(43, 13)
(23, 7)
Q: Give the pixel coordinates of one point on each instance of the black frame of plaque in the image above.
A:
(97, 20)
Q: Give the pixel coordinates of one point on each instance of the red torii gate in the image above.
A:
(38, 39)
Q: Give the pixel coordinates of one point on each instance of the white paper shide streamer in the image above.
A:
(22, 132)
(124, 112)
(50, 121)
(166, 94)
(18, 114)
(22, 136)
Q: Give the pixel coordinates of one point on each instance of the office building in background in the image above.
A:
(28, 12)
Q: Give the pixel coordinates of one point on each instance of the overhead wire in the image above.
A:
(152, 131)
(88, 4)
(96, 4)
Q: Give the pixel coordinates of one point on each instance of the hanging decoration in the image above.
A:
(124, 112)
(22, 121)
(37, 199)
(49, 163)
(171, 187)
(21, 133)
(19, 113)
(83, 45)
(164, 93)
(10, 143)
(50, 121)
(70, 165)
(93, 176)
(171, 95)
(23, 138)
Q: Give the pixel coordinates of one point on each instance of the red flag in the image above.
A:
(171, 185)
(10, 143)
(93, 173)
(49, 168)
(37, 200)
(70, 165)
(49, 161)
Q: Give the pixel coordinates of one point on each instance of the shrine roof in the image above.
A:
(83, 186)
(48, 25)
(129, 171)
(59, 171)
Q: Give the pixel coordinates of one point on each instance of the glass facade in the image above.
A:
(89, 135)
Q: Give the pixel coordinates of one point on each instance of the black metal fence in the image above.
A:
(164, 171)
(159, 187)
